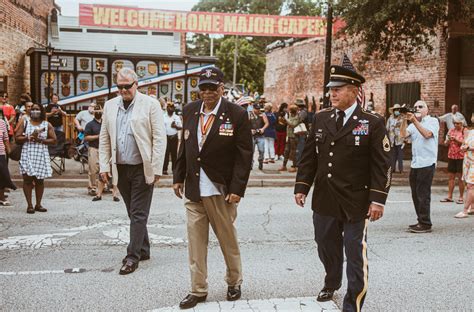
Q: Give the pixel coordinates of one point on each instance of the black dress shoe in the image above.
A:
(128, 267)
(421, 228)
(325, 294)
(142, 258)
(190, 301)
(233, 293)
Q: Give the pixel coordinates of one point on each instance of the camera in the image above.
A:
(407, 109)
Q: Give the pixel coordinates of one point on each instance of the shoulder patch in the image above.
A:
(372, 113)
(328, 109)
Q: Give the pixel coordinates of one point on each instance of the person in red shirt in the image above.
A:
(454, 140)
(8, 113)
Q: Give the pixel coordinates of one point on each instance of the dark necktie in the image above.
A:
(340, 120)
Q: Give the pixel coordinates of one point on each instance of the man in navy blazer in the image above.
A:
(213, 167)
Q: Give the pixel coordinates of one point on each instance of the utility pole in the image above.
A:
(327, 59)
(236, 55)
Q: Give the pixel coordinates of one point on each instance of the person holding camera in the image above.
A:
(36, 135)
(55, 114)
(394, 124)
(173, 124)
(423, 132)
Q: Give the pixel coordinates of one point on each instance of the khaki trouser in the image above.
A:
(93, 162)
(221, 215)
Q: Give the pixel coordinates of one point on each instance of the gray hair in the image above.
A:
(420, 102)
(128, 73)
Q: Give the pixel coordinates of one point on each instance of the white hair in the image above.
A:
(420, 102)
(128, 73)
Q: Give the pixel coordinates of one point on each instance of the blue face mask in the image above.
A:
(396, 113)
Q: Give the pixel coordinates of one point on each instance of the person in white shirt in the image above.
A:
(173, 124)
(448, 117)
(423, 132)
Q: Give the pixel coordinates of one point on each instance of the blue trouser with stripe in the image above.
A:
(333, 236)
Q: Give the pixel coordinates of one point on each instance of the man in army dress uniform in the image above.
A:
(347, 157)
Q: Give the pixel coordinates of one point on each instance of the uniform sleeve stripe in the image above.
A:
(379, 191)
(303, 183)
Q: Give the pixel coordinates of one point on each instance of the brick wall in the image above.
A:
(23, 24)
(298, 71)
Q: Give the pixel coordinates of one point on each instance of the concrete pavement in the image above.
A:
(68, 258)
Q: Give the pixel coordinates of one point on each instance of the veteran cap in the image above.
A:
(211, 75)
(345, 74)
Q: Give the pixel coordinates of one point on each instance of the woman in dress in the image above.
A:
(5, 181)
(35, 134)
(468, 171)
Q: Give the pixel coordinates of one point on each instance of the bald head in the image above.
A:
(454, 109)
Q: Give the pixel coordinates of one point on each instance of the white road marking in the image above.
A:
(33, 272)
(120, 236)
(304, 304)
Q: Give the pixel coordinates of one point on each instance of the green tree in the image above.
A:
(250, 63)
(402, 28)
(304, 7)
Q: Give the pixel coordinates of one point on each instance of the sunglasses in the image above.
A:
(208, 87)
(126, 87)
(419, 106)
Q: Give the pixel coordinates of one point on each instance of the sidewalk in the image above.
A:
(268, 177)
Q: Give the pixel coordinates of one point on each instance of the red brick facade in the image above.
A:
(23, 24)
(298, 71)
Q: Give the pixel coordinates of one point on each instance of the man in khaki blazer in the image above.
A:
(133, 142)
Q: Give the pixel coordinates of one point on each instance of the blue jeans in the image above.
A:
(397, 157)
(260, 142)
(420, 184)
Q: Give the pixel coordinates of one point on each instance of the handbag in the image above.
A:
(16, 148)
(300, 129)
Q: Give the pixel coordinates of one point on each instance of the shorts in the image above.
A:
(455, 165)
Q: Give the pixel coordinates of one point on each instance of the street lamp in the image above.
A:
(49, 51)
(186, 62)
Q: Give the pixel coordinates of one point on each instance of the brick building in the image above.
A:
(23, 24)
(442, 77)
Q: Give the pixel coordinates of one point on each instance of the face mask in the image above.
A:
(396, 113)
(35, 114)
(98, 115)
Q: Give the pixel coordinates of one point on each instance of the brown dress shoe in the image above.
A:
(128, 267)
(40, 208)
(233, 293)
(190, 301)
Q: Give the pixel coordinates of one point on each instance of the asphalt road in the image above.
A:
(408, 272)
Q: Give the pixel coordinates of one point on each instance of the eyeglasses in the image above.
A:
(208, 87)
(126, 87)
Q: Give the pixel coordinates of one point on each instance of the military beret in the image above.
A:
(340, 76)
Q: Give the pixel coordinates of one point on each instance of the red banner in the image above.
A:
(121, 17)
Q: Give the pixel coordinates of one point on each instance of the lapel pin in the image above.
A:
(332, 115)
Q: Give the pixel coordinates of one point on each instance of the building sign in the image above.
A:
(107, 16)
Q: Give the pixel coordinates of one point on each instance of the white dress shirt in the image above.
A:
(348, 113)
(206, 186)
(169, 120)
(424, 151)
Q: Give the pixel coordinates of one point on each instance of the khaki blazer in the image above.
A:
(148, 129)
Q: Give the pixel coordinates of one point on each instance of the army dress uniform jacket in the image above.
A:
(350, 168)
(225, 157)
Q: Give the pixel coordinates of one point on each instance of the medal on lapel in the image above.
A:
(205, 127)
